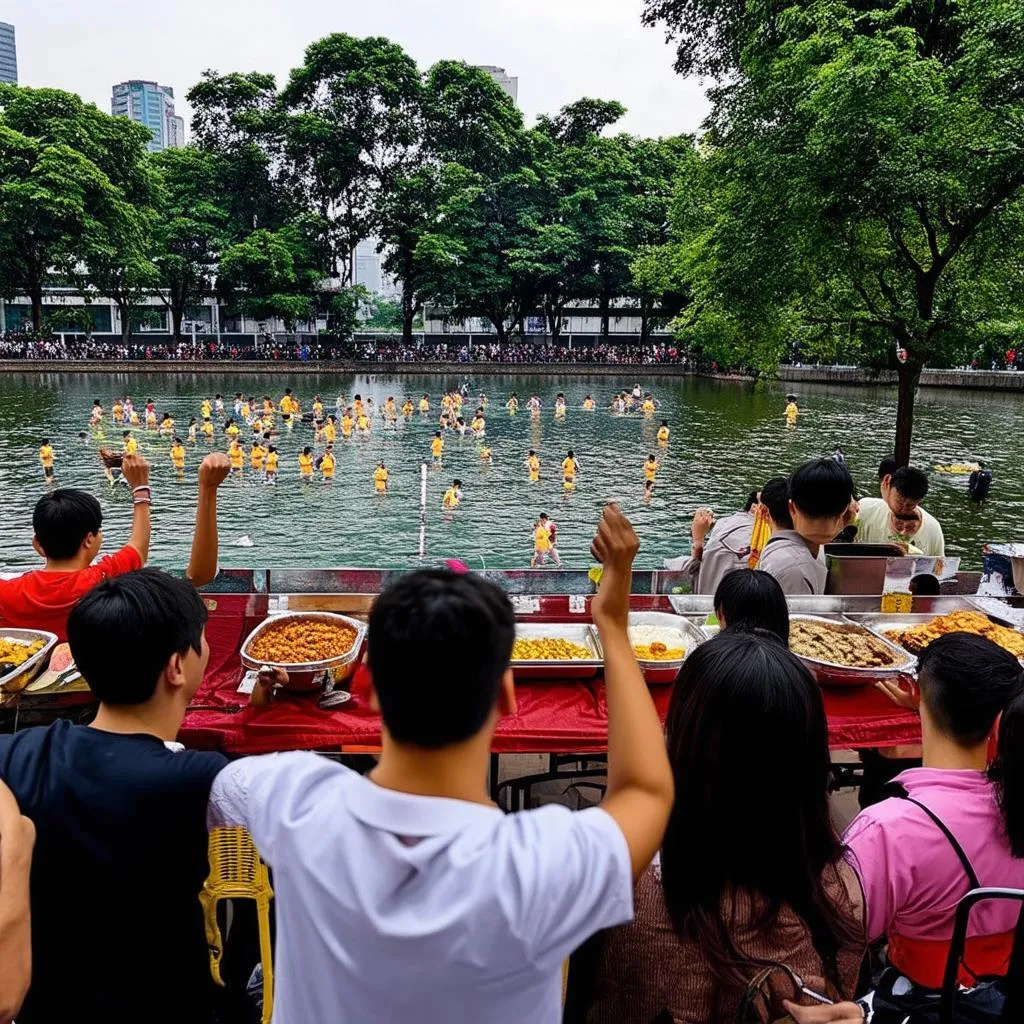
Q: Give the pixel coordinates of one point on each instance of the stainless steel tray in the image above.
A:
(20, 676)
(692, 634)
(340, 667)
(836, 673)
(581, 633)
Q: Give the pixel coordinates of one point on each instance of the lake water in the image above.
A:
(727, 439)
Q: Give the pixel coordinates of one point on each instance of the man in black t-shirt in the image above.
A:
(120, 816)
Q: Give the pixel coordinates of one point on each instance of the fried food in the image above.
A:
(549, 649)
(16, 652)
(918, 638)
(295, 641)
(839, 644)
(657, 643)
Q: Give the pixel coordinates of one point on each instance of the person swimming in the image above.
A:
(453, 496)
(380, 478)
(533, 465)
(663, 433)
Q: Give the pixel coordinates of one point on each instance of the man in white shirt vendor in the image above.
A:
(820, 497)
(897, 512)
(407, 895)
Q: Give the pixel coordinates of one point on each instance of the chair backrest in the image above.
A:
(1013, 1009)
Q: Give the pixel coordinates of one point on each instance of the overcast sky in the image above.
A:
(559, 49)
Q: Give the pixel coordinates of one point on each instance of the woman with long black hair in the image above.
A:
(747, 873)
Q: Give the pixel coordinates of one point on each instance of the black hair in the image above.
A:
(887, 467)
(570, 454)
(775, 498)
(752, 500)
(46, 440)
(145, 616)
(967, 682)
(456, 483)
(307, 450)
(437, 433)
(126, 433)
(740, 701)
(821, 487)
(751, 599)
(415, 625)
(176, 440)
(664, 423)
(531, 452)
(910, 483)
(63, 519)
(272, 449)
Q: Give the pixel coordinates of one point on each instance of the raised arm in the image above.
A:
(202, 563)
(17, 837)
(135, 470)
(640, 787)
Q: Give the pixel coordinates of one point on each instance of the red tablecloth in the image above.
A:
(553, 717)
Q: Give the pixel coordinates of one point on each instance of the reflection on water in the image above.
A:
(727, 438)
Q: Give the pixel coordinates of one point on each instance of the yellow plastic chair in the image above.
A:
(236, 872)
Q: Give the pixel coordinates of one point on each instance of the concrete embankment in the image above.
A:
(978, 380)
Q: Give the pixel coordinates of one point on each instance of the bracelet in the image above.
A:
(142, 501)
(142, 487)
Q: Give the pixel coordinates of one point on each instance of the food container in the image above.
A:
(881, 625)
(311, 676)
(691, 637)
(577, 668)
(21, 675)
(830, 673)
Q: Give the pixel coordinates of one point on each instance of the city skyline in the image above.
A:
(8, 53)
(557, 52)
(152, 105)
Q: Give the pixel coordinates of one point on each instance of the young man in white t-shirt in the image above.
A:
(407, 895)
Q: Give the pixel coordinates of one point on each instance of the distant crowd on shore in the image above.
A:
(21, 346)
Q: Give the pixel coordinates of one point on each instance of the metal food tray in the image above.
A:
(852, 675)
(549, 668)
(346, 660)
(692, 634)
(20, 676)
(881, 623)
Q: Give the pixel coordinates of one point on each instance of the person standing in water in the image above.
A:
(533, 465)
(663, 433)
(437, 447)
(570, 470)
(453, 496)
(380, 478)
(178, 456)
(46, 459)
(272, 459)
(306, 464)
(651, 468)
(792, 411)
(512, 404)
(327, 464)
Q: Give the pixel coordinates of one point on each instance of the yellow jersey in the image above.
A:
(478, 423)
(237, 456)
(231, 431)
(330, 433)
(485, 454)
(533, 464)
(272, 462)
(792, 412)
(362, 423)
(380, 478)
(305, 465)
(46, 456)
(451, 498)
(257, 457)
(588, 404)
(407, 408)
(205, 409)
(541, 538)
(167, 425)
(424, 405)
(389, 408)
(133, 419)
(177, 456)
(245, 412)
(647, 407)
(150, 419)
(118, 412)
(131, 446)
(327, 465)
(663, 434)
(650, 469)
(436, 447)
(357, 405)
(207, 429)
(346, 426)
(268, 407)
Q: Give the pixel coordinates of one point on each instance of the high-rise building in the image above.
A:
(152, 105)
(8, 54)
(504, 79)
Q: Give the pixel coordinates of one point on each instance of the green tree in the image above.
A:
(868, 170)
(189, 229)
(69, 179)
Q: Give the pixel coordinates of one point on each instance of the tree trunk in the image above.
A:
(177, 315)
(605, 314)
(908, 374)
(499, 328)
(408, 314)
(35, 293)
(124, 311)
(553, 311)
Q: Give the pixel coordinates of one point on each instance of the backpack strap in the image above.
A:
(896, 790)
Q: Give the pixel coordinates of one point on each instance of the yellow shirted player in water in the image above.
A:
(133, 417)
(651, 467)
(479, 424)
(407, 409)
(327, 464)
(347, 424)
(533, 465)
(318, 408)
(166, 425)
(380, 478)
(205, 409)
(46, 458)
(178, 456)
(512, 404)
(647, 408)
(453, 496)
(258, 456)
(207, 429)
(131, 446)
(589, 405)
(425, 404)
(792, 412)
(485, 454)
(272, 458)
(231, 430)
(306, 463)
(357, 405)
(118, 411)
(236, 453)
(245, 410)
(437, 446)
(389, 408)
(570, 470)
(663, 433)
(362, 423)
(330, 429)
